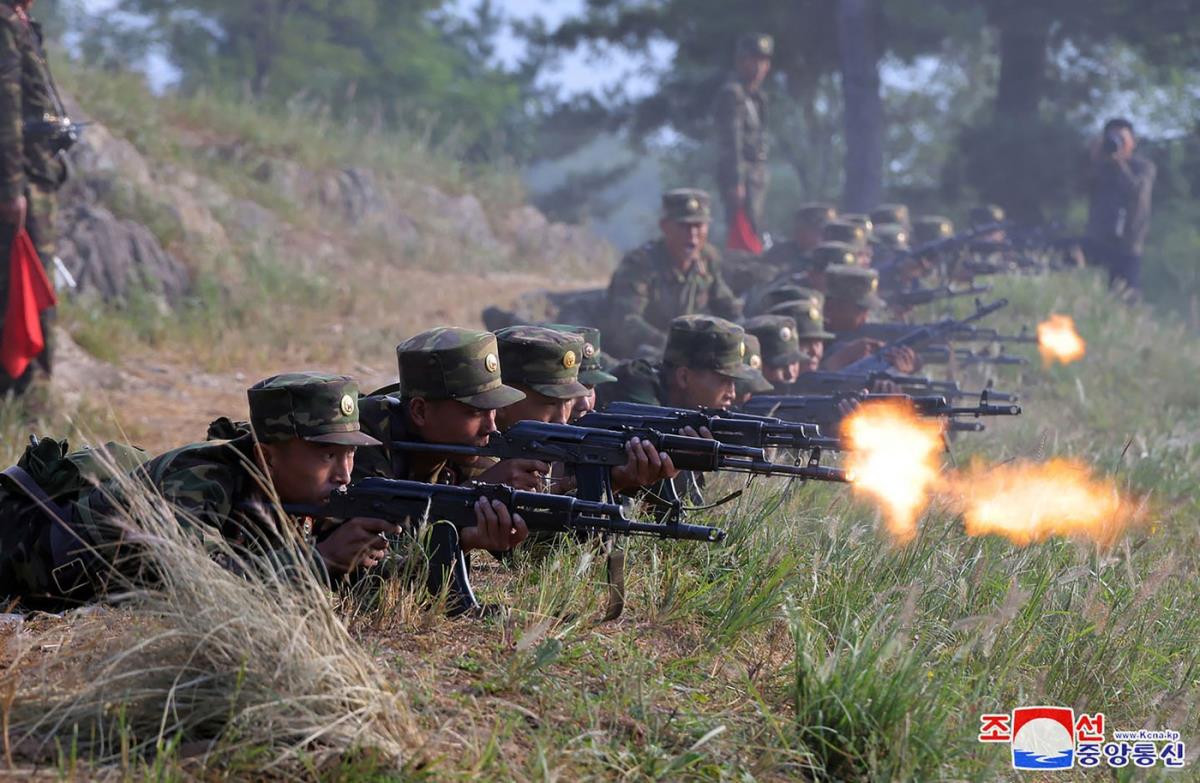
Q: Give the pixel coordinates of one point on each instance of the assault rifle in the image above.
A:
(736, 427)
(847, 380)
(825, 410)
(914, 297)
(407, 502)
(939, 247)
(965, 357)
(965, 334)
(593, 453)
(60, 132)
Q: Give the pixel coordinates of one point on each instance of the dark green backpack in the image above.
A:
(35, 495)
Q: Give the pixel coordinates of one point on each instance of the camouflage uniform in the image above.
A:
(542, 359)
(856, 284)
(931, 228)
(591, 364)
(892, 213)
(29, 164)
(779, 338)
(697, 341)
(741, 120)
(444, 363)
(788, 257)
(648, 290)
(215, 489)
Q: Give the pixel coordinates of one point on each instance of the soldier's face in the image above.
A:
(842, 316)
(535, 407)
(695, 388)
(684, 240)
(815, 350)
(305, 472)
(583, 405)
(807, 236)
(453, 423)
(777, 374)
(753, 70)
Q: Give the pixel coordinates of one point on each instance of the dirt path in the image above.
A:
(159, 401)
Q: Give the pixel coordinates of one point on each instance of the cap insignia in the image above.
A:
(491, 363)
(785, 334)
(589, 350)
(347, 405)
(755, 362)
(742, 350)
(568, 359)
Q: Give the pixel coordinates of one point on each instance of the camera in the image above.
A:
(1113, 141)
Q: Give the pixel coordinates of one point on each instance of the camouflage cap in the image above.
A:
(930, 228)
(861, 220)
(891, 235)
(890, 213)
(784, 292)
(753, 360)
(779, 338)
(816, 215)
(845, 231)
(809, 317)
(311, 406)
(449, 363)
(828, 254)
(705, 342)
(686, 205)
(591, 372)
(542, 359)
(985, 214)
(856, 284)
(755, 45)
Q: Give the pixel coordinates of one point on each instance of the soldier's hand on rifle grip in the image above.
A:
(524, 474)
(14, 212)
(646, 466)
(851, 352)
(903, 359)
(357, 542)
(495, 530)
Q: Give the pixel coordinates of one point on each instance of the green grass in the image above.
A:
(808, 645)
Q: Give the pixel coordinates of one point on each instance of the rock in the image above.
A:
(77, 374)
(112, 257)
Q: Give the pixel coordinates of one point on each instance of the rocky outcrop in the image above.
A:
(112, 257)
(130, 223)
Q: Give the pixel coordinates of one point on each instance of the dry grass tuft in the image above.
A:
(250, 665)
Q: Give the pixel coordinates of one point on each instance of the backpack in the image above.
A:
(36, 498)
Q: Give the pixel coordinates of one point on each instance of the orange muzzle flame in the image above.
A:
(1029, 502)
(893, 459)
(1058, 341)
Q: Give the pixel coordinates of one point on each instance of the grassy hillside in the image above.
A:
(807, 645)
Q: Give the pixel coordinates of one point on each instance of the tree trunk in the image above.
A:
(863, 106)
(1023, 42)
(1024, 34)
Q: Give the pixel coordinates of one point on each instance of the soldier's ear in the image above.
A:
(418, 411)
(683, 377)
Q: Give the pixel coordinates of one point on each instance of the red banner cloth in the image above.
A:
(29, 293)
(741, 234)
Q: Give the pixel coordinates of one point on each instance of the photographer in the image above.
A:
(1119, 189)
(34, 131)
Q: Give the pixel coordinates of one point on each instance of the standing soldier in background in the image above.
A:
(742, 139)
(677, 274)
(34, 130)
(1119, 190)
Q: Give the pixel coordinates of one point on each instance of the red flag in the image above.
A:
(741, 234)
(29, 293)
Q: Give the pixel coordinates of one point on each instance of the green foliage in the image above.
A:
(400, 64)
